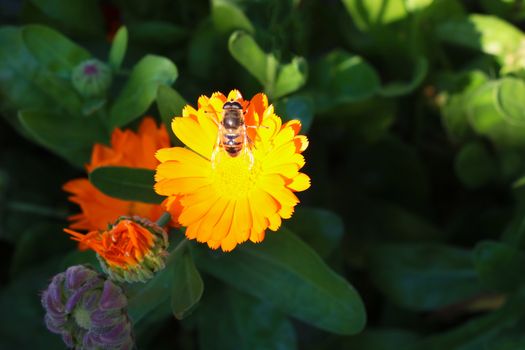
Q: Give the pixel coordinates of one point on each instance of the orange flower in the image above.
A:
(132, 249)
(225, 197)
(128, 148)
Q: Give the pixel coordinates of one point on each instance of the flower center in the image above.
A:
(234, 177)
(90, 69)
(82, 317)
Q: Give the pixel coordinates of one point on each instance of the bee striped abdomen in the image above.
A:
(232, 143)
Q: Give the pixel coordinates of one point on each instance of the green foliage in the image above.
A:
(230, 319)
(315, 294)
(187, 284)
(424, 277)
(412, 235)
(131, 184)
(141, 88)
(118, 48)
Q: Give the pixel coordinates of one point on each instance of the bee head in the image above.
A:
(232, 105)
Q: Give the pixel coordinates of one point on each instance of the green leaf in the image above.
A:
(474, 333)
(35, 69)
(141, 88)
(488, 34)
(487, 117)
(170, 104)
(52, 50)
(299, 107)
(80, 16)
(341, 78)
(57, 57)
(232, 320)
(17, 68)
(187, 287)
(511, 100)
(400, 88)
(227, 17)
(278, 79)
(424, 276)
(71, 138)
(130, 184)
(247, 52)
(118, 48)
(320, 228)
(475, 166)
(369, 15)
(290, 77)
(381, 339)
(499, 265)
(144, 299)
(453, 102)
(285, 271)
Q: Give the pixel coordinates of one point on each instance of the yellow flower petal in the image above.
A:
(190, 132)
(169, 187)
(235, 198)
(299, 183)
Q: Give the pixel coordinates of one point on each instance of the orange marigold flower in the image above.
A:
(132, 249)
(128, 148)
(227, 187)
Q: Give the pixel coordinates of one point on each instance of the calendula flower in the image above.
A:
(88, 311)
(128, 148)
(130, 250)
(225, 187)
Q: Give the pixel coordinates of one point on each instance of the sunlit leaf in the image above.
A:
(227, 16)
(340, 77)
(488, 34)
(141, 88)
(118, 48)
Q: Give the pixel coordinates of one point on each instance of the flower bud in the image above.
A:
(91, 78)
(87, 310)
(131, 250)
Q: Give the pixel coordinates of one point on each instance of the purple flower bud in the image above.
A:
(88, 311)
(92, 78)
(112, 298)
(77, 275)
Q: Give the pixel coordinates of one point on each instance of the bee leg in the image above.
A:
(211, 118)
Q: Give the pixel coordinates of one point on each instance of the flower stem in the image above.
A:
(164, 219)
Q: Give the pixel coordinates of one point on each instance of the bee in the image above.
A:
(232, 137)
